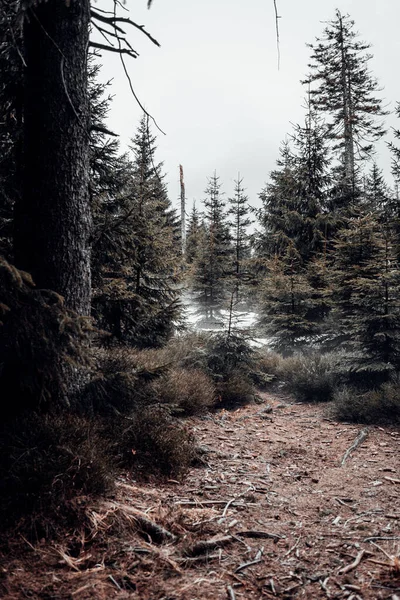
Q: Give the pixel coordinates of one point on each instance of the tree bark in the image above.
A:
(52, 221)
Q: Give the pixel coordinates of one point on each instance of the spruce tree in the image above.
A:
(137, 297)
(214, 262)
(279, 218)
(194, 235)
(239, 211)
(294, 202)
(285, 302)
(344, 92)
(365, 280)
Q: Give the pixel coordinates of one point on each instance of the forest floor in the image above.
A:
(272, 513)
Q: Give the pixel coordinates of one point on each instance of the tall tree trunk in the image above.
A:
(52, 221)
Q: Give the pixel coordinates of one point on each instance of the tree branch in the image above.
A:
(119, 50)
(277, 17)
(113, 20)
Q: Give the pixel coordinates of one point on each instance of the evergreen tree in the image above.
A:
(239, 211)
(294, 202)
(366, 310)
(279, 217)
(194, 236)
(285, 302)
(376, 193)
(137, 294)
(343, 90)
(214, 262)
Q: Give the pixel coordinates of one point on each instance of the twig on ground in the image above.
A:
(193, 559)
(204, 546)
(354, 564)
(324, 585)
(248, 564)
(231, 593)
(344, 502)
(359, 439)
(378, 537)
(293, 547)
(259, 535)
(228, 504)
(392, 479)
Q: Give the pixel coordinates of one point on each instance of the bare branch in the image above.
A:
(113, 20)
(119, 50)
(277, 17)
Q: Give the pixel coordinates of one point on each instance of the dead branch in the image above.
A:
(156, 532)
(260, 535)
(293, 547)
(277, 17)
(205, 546)
(354, 564)
(230, 502)
(197, 559)
(230, 592)
(114, 20)
(392, 479)
(119, 51)
(200, 503)
(359, 439)
(379, 537)
(248, 564)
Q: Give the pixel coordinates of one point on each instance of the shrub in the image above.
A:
(309, 377)
(191, 390)
(46, 462)
(114, 385)
(267, 367)
(235, 389)
(381, 405)
(153, 442)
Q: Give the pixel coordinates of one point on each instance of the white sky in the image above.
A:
(214, 86)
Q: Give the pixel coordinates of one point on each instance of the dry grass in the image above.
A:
(47, 462)
(190, 390)
(151, 441)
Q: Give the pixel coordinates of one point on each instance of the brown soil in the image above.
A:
(276, 513)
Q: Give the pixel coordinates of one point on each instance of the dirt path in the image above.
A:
(271, 492)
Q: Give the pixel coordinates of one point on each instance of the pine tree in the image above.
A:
(285, 302)
(279, 217)
(294, 202)
(194, 236)
(214, 262)
(343, 90)
(239, 211)
(376, 193)
(137, 294)
(365, 281)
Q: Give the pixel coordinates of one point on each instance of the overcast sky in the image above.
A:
(214, 86)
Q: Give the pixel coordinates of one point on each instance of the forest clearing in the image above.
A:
(270, 513)
(200, 393)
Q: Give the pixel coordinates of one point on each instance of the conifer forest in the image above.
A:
(200, 399)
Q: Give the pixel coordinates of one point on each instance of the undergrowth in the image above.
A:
(311, 377)
(381, 405)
